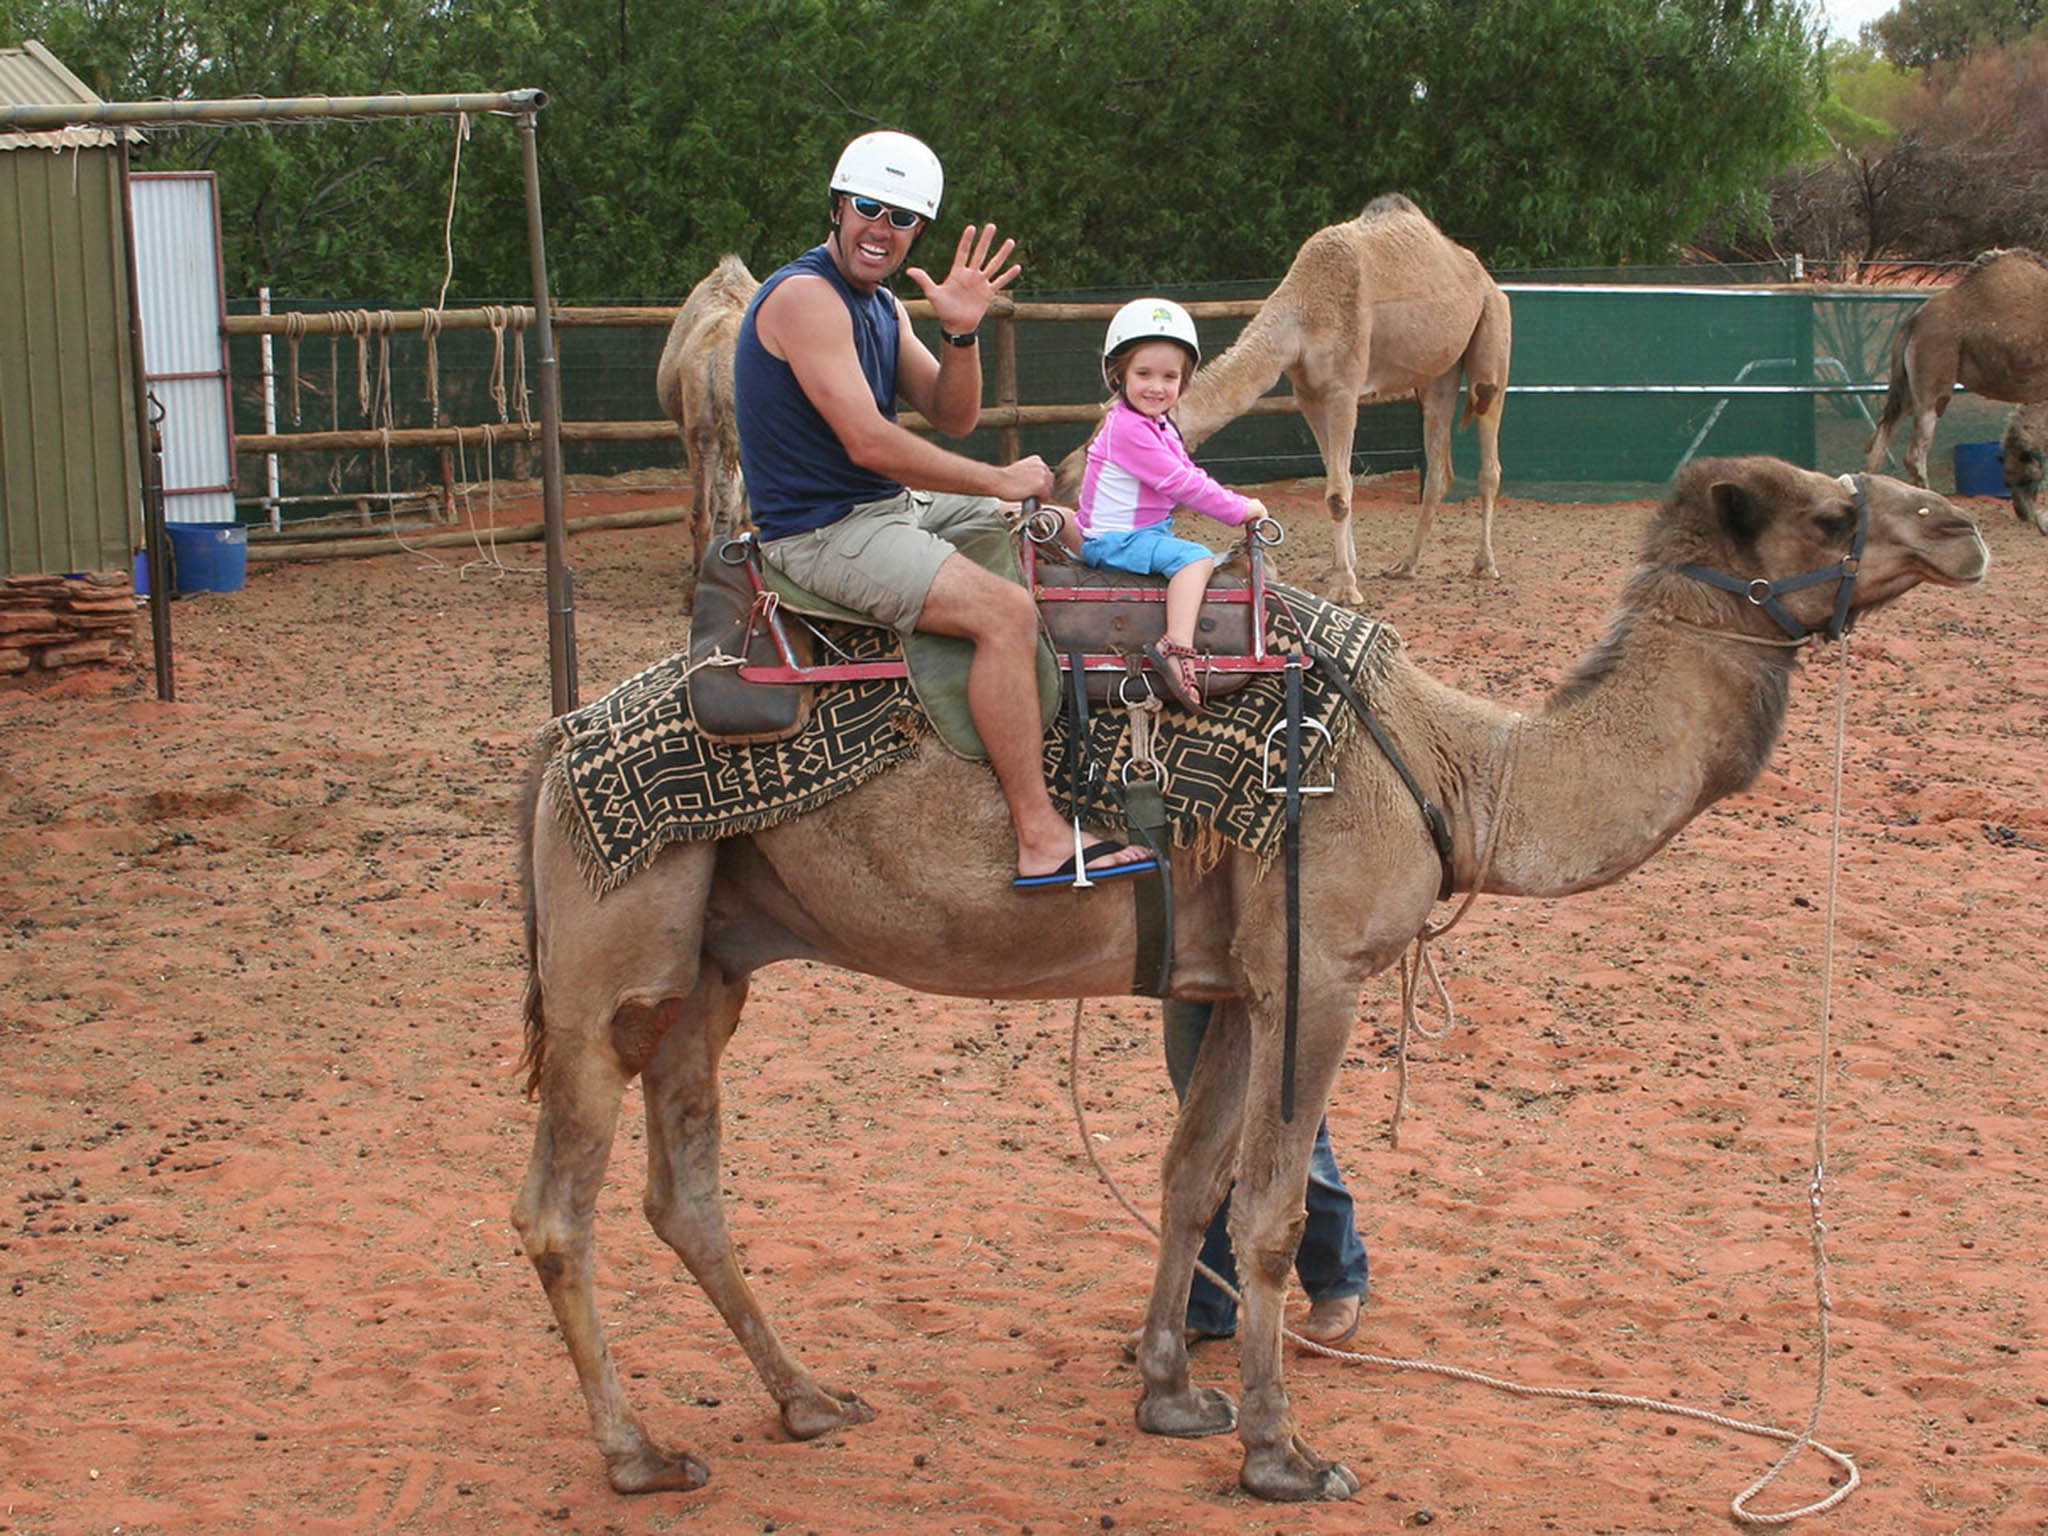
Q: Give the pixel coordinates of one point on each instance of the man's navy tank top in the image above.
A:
(798, 475)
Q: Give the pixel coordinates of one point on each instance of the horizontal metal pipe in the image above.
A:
(255, 109)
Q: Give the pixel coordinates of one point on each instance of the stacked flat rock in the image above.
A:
(50, 623)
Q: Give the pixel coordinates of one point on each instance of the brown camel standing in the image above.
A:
(693, 383)
(907, 878)
(1375, 309)
(2024, 452)
(1988, 333)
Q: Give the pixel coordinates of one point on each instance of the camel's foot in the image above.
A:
(1294, 1474)
(827, 1409)
(1485, 569)
(651, 1470)
(1400, 570)
(1187, 1415)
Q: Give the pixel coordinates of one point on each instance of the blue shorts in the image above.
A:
(1153, 551)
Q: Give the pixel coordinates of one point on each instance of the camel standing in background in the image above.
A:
(693, 383)
(2024, 452)
(1989, 333)
(908, 878)
(1375, 309)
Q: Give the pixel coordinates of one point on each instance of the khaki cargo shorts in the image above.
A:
(882, 557)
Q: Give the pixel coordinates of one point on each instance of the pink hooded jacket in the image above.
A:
(1139, 471)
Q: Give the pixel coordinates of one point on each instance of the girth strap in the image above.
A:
(1291, 855)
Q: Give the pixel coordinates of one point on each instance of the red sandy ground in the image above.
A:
(259, 979)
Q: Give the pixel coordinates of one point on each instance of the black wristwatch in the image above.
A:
(964, 339)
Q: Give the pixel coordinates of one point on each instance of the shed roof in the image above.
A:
(31, 75)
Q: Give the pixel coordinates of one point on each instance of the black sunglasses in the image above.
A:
(873, 208)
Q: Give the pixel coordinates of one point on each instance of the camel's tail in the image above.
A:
(533, 1055)
(1897, 393)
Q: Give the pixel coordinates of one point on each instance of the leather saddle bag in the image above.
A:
(724, 622)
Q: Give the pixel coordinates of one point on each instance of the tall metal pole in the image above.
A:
(561, 585)
(155, 541)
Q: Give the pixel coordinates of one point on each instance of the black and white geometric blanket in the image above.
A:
(632, 774)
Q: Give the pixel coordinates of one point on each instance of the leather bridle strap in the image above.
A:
(1765, 594)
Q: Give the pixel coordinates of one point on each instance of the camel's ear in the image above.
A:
(1740, 511)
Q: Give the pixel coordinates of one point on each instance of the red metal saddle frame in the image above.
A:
(789, 670)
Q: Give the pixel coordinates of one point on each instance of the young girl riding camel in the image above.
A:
(1139, 471)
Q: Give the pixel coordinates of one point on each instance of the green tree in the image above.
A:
(1922, 33)
(1122, 141)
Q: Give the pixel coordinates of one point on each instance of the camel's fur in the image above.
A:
(693, 383)
(1988, 333)
(1378, 308)
(1673, 710)
(2025, 452)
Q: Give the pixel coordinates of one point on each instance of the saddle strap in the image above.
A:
(1291, 855)
(1145, 815)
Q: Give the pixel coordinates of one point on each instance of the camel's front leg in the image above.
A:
(1267, 1214)
(684, 1206)
(1332, 415)
(1197, 1174)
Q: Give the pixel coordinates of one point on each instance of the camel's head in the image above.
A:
(1782, 536)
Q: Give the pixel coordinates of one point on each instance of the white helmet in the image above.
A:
(893, 168)
(1148, 320)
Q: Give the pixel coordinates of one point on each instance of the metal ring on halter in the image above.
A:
(1123, 691)
(734, 551)
(1268, 532)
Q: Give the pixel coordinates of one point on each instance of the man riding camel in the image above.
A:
(824, 354)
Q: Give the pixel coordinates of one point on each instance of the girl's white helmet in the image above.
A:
(893, 168)
(1148, 320)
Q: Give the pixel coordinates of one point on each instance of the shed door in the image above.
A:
(184, 347)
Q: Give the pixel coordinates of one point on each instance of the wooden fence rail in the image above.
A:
(1005, 415)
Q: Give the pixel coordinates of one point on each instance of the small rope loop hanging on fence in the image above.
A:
(294, 329)
(519, 395)
(381, 414)
(496, 316)
(430, 332)
(357, 323)
(334, 379)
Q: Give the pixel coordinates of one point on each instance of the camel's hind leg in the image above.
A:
(1488, 423)
(579, 1111)
(1332, 415)
(684, 1205)
(1439, 405)
(609, 979)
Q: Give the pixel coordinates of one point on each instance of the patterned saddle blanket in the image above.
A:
(632, 775)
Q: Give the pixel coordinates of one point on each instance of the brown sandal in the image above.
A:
(1175, 664)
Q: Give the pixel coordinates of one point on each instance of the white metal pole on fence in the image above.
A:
(269, 415)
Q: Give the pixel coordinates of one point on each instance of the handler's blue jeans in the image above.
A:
(1331, 1261)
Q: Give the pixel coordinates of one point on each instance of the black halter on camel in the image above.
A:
(1765, 594)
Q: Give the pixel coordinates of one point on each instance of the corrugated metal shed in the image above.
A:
(70, 477)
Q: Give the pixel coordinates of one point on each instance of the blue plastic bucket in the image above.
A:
(1980, 470)
(209, 557)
